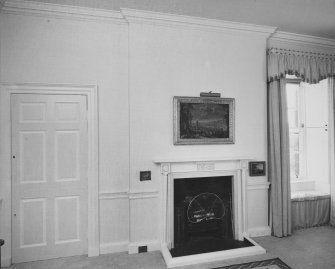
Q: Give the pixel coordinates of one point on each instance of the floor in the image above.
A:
(312, 248)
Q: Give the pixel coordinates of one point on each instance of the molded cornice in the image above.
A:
(166, 19)
(297, 41)
(277, 39)
(62, 11)
(127, 16)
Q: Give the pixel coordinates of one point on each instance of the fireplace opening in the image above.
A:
(203, 216)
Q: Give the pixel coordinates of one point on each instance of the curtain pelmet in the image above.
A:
(310, 68)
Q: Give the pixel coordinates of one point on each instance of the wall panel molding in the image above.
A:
(258, 185)
(113, 195)
(143, 195)
(132, 195)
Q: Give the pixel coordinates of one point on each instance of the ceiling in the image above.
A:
(308, 17)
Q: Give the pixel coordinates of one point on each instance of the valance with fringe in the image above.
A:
(310, 67)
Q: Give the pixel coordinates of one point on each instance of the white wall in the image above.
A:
(61, 51)
(135, 109)
(167, 62)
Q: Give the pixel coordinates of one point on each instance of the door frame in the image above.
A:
(91, 93)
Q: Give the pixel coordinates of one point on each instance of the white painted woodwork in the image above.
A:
(91, 93)
(49, 176)
(233, 11)
(181, 21)
(258, 197)
(317, 134)
(61, 11)
(316, 101)
(112, 208)
(317, 155)
(303, 185)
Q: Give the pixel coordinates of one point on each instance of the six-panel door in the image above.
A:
(49, 176)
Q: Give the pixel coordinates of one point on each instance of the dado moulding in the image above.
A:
(132, 195)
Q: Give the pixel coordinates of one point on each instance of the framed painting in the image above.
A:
(257, 169)
(200, 120)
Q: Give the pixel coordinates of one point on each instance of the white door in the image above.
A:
(49, 176)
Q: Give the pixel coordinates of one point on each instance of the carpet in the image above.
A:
(266, 264)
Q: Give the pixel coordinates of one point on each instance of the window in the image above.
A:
(295, 113)
(307, 109)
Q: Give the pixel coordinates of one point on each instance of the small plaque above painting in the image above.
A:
(200, 120)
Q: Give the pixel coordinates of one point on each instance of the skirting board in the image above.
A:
(107, 248)
(125, 246)
(152, 246)
(260, 231)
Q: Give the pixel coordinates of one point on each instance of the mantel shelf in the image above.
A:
(202, 159)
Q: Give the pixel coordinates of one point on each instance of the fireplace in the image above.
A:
(204, 210)
(203, 216)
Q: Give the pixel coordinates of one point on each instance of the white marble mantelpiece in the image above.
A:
(192, 167)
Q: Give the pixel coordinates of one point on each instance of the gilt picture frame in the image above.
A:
(203, 120)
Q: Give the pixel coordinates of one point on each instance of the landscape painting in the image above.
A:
(203, 120)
